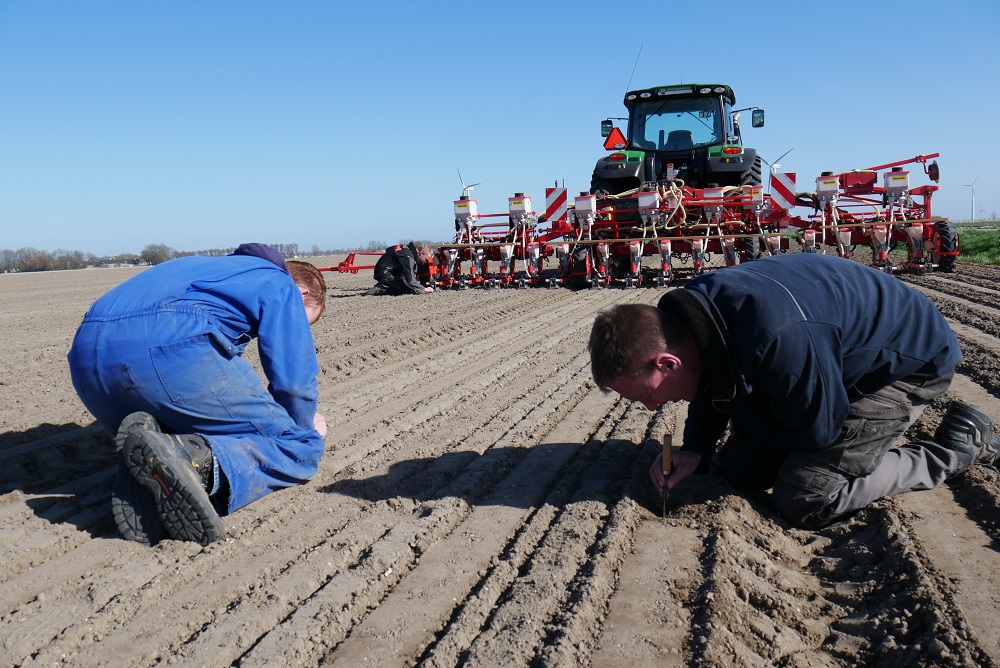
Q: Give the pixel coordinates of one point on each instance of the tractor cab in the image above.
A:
(691, 128)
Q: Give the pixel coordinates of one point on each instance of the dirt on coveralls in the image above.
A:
(480, 503)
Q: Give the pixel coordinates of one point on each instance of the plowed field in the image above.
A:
(480, 503)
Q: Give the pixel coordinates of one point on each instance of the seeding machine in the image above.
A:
(678, 189)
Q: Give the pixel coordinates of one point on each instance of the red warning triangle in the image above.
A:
(615, 141)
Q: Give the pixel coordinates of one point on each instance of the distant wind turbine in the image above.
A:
(775, 166)
(466, 190)
(973, 186)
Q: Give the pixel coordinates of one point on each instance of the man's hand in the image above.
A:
(428, 289)
(685, 464)
(319, 424)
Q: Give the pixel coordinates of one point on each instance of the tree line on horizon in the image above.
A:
(31, 259)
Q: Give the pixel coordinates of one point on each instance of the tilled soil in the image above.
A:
(480, 503)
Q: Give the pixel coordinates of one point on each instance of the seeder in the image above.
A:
(680, 193)
(851, 209)
(600, 241)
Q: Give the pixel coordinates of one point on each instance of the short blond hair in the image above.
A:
(309, 277)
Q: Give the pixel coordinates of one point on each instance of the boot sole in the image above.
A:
(134, 510)
(134, 423)
(979, 427)
(131, 505)
(181, 502)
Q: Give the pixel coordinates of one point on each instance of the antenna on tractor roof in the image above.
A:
(466, 189)
(629, 84)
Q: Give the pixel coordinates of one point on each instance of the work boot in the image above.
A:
(377, 290)
(968, 430)
(132, 424)
(131, 505)
(178, 470)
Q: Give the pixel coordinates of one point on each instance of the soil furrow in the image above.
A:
(480, 503)
(546, 585)
(450, 569)
(983, 297)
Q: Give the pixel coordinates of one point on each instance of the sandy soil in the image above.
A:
(479, 504)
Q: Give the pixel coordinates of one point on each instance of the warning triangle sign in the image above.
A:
(615, 141)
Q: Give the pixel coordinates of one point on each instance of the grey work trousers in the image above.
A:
(814, 489)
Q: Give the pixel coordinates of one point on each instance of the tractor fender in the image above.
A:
(744, 163)
(617, 169)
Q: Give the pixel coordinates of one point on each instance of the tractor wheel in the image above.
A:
(751, 248)
(599, 185)
(947, 242)
(752, 177)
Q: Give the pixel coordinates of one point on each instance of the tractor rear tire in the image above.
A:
(599, 186)
(751, 248)
(752, 177)
(947, 242)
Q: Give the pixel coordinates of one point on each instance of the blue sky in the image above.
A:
(205, 124)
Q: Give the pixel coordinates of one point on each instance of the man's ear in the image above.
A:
(665, 362)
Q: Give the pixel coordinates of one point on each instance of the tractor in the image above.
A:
(687, 132)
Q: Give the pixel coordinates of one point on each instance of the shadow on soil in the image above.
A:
(553, 473)
(67, 471)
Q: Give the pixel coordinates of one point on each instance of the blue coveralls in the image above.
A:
(169, 342)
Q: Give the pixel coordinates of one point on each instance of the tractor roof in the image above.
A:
(680, 90)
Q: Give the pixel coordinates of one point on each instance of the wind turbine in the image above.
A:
(466, 190)
(775, 166)
(973, 186)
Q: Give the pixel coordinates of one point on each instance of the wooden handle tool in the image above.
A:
(668, 466)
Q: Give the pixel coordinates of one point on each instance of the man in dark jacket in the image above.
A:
(816, 364)
(396, 270)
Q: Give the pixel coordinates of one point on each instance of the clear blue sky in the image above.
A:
(205, 124)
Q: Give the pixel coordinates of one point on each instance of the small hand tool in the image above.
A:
(668, 466)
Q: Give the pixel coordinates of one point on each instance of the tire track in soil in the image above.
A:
(977, 327)
(965, 547)
(582, 373)
(447, 509)
(649, 616)
(971, 302)
(172, 603)
(368, 342)
(556, 559)
(371, 441)
(426, 598)
(967, 506)
(478, 485)
(397, 569)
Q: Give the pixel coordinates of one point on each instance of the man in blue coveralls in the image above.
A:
(816, 364)
(157, 360)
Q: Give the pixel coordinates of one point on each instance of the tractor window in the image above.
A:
(675, 124)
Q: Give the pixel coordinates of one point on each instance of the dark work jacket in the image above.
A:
(396, 270)
(788, 342)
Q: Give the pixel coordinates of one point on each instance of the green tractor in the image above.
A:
(686, 132)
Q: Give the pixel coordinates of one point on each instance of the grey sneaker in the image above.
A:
(178, 471)
(131, 505)
(968, 430)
